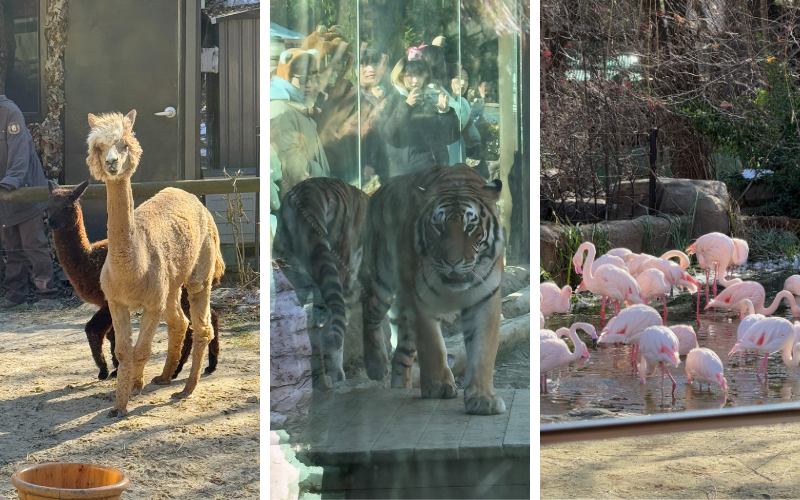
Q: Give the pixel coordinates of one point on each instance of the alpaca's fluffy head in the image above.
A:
(114, 151)
(63, 206)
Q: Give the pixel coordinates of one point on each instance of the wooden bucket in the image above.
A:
(69, 481)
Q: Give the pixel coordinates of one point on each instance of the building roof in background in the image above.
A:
(278, 31)
(220, 9)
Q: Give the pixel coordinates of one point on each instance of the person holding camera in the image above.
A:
(417, 122)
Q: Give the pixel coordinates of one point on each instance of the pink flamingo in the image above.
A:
(653, 284)
(658, 345)
(554, 353)
(541, 320)
(619, 252)
(731, 298)
(740, 252)
(554, 299)
(628, 325)
(769, 335)
(687, 338)
(712, 248)
(601, 261)
(608, 281)
(792, 284)
(564, 332)
(682, 258)
(704, 366)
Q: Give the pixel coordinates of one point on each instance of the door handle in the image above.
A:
(169, 112)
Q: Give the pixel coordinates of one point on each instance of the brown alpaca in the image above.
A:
(83, 261)
(168, 242)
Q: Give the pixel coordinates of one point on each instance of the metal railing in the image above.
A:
(143, 189)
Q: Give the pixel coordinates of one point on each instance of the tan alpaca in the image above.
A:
(169, 241)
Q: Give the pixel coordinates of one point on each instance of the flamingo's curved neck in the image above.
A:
(790, 352)
(748, 304)
(576, 341)
(587, 265)
(777, 302)
(682, 257)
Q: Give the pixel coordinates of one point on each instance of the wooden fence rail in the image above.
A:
(143, 189)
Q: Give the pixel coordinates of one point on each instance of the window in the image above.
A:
(23, 65)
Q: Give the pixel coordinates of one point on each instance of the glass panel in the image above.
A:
(398, 87)
(23, 81)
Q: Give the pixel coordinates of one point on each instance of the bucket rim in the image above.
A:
(59, 493)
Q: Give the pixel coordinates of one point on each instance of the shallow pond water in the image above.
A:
(606, 380)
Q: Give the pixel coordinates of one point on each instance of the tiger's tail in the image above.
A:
(326, 275)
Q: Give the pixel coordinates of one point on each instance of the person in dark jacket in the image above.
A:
(417, 122)
(21, 225)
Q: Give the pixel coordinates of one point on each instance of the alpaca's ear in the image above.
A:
(52, 185)
(131, 116)
(93, 120)
(79, 189)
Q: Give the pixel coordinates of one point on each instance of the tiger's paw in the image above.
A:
(321, 382)
(440, 389)
(376, 362)
(484, 405)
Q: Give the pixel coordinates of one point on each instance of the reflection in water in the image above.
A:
(606, 379)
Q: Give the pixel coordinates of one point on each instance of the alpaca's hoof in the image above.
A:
(210, 369)
(161, 380)
(137, 387)
(181, 395)
(102, 375)
(177, 372)
(113, 374)
(117, 412)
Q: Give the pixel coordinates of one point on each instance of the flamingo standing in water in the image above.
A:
(658, 345)
(716, 249)
(554, 353)
(608, 281)
(628, 325)
(654, 284)
(731, 298)
(601, 261)
(687, 338)
(741, 250)
(769, 335)
(792, 284)
(704, 366)
(554, 299)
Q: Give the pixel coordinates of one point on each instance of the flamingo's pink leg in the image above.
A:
(662, 377)
(716, 278)
(763, 365)
(664, 300)
(699, 292)
(674, 384)
(708, 277)
(603, 310)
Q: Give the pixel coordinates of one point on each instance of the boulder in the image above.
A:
(676, 197)
(630, 234)
(549, 239)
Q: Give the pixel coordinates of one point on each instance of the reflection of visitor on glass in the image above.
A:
(416, 134)
(372, 66)
(293, 134)
(459, 81)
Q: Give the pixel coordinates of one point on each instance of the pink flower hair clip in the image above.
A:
(415, 53)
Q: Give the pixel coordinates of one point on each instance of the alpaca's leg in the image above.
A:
(177, 323)
(96, 329)
(202, 333)
(141, 351)
(123, 332)
(112, 340)
(213, 346)
(187, 339)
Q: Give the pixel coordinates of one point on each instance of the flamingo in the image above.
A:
(619, 252)
(608, 281)
(601, 261)
(628, 325)
(792, 284)
(731, 298)
(682, 257)
(712, 248)
(740, 252)
(564, 332)
(658, 345)
(704, 366)
(769, 335)
(554, 299)
(687, 338)
(654, 284)
(554, 353)
(746, 321)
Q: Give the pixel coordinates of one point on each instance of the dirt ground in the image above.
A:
(748, 462)
(53, 407)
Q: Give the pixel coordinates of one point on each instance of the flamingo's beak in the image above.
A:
(735, 348)
(585, 352)
(691, 280)
(722, 382)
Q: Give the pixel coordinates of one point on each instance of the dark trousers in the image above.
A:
(26, 246)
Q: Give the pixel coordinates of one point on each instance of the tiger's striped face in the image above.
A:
(459, 239)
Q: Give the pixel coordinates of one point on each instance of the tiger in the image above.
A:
(317, 245)
(433, 246)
